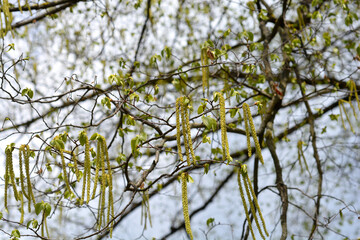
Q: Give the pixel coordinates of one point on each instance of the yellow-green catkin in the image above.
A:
(102, 194)
(182, 112)
(353, 89)
(204, 69)
(145, 209)
(8, 17)
(26, 154)
(7, 174)
(6, 183)
(178, 129)
(246, 108)
(184, 128)
(244, 203)
(224, 139)
(21, 207)
(28, 5)
(10, 169)
(247, 130)
(256, 202)
(108, 179)
(65, 177)
(301, 155)
(20, 8)
(247, 182)
(341, 115)
(75, 161)
(99, 161)
(1, 26)
(185, 205)
(111, 205)
(341, 105)
(102, 154)
(86, 173)
(188, 130)
(22, 177)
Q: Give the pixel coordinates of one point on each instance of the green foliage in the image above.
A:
(27, 91)
(154, 81)
(210, 123)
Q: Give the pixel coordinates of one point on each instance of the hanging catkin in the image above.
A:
(24, 156)
(111, 205)
(185, 204)
(188, 130)
(183, 113)
(224, 139)
(248, 116)
(252, 208)
(244, 203)
(22, 177)
(65, 177)
(252, 199)
(21, 207)
(247, 130)
(178, 129)
(9, 160)
(184, 130)
(353, 89)
(75, 161)
(301, 155)
(342, 109)
(99, 162)
(205, 69)
(27, 173)
(87, 168)
(255, 200)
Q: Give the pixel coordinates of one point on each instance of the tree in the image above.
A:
(137, 119)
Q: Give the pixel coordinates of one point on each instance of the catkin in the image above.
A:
(178, 133)
(204, 69)
(244, 203)
(22, 177)
(353, 89)
(99, 161)
(6, 177)
(109, 180)
(102, 196)
(301, 155)
(247, 132)
(224, 139)
(27, 173)
(253, 132)
(75, 161)
(185, 204)
(21, 207)
(65, 177)
(341, 115)
(86, 173)
(9, 161)
(101, 155)
(188, 130)
(111, 205)
(185, 132)
(256, 202)
(300, 152)
(247, 182)
(145, 209)
(182, 110)
(341, 104)
(8, 17)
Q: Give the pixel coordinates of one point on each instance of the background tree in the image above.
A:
(110, 109)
